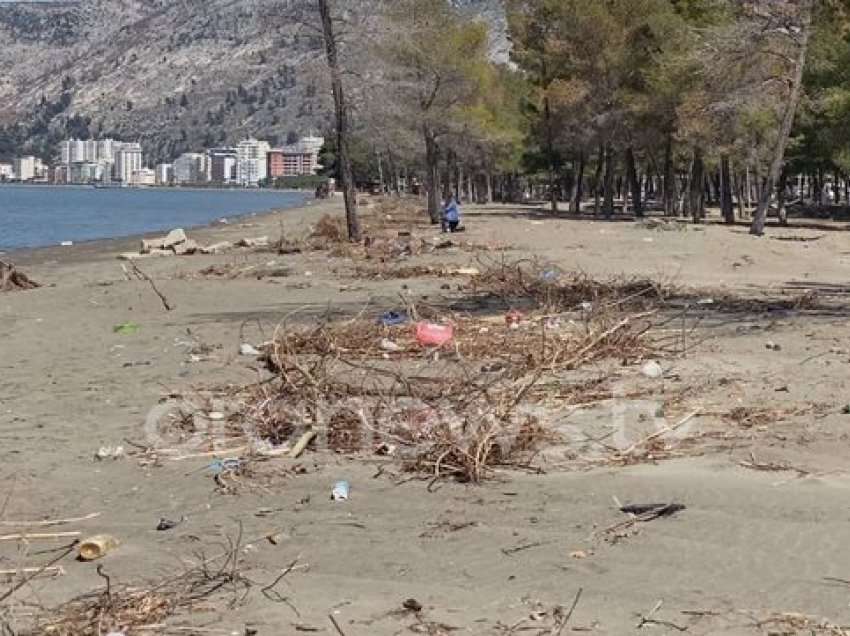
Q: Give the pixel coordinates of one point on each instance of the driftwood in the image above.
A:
(11, 279)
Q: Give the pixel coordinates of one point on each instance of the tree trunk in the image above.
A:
(760, 218)
(780, 198)
(726, 205)
(432, 174)
(578, 186)
(609, 181)
(696, 195)
(550, 150)
(597, 180)
(634, 182)
(669, 180)
(346, 174)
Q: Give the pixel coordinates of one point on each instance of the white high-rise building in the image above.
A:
(128, 159)
(190, 167)
(251, 156)
(25, 168)
(106, 150)
(6, 171)
(164, 173)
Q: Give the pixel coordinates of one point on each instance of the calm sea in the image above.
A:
(35, 216)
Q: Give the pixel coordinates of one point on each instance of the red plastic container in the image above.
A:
(430, 334)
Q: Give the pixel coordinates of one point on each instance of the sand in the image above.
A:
(752, 545)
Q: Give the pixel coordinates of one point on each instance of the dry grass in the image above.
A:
(330, 228)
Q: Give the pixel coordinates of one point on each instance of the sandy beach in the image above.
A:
(757, 550)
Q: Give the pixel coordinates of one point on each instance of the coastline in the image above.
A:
(212, 231)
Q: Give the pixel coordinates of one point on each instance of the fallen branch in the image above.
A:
(38, 536)
(138, 272)
(48, 522)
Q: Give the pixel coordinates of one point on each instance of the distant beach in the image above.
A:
(40, 216)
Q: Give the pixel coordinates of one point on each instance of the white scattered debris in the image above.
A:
(246, 349)
(109, 452)
(652, 369)
(389, 345)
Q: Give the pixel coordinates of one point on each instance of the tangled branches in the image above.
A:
(144, 610)
(456, 410)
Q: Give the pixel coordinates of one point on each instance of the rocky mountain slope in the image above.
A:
(177, 75)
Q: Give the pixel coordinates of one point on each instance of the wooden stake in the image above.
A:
(38, 536)
(48, 522)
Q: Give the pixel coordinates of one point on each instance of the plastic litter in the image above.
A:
(430, 334)
(513, 318)
(167, 524)
(248, 350)
(392, 318)
(126, 328)
(109, 452)
(652, 369)
(340, 491)
(97, 546)
(389, 345)
(224, 465)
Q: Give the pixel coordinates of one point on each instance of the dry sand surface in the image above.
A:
(761, 547)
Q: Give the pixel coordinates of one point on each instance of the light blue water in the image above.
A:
(36, 216)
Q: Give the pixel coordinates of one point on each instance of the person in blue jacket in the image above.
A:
(451, 215)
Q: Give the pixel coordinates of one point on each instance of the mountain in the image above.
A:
(177, 75)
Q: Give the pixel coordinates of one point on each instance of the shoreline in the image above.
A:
(90, 249)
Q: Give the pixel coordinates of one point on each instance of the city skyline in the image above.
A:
(249, 163)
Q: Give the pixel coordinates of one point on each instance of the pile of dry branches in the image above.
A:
(12, 280)
(456, 410)
(146, 609)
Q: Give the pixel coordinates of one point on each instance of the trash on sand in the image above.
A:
(466, 271)
(260, 241)
(66, 243)
(412, 605)
(430, 334)
(109, 452)
(652, 369)
(224, 465)
(97, 546)
(846, 410)
(513, 318)
(340, 491)
(772, 346)
(215, 416)
(653, 510)
(389, 345)
(301, 444)
(126, 328)
(587, 306)
(167, 524)
(216, 248)
(392, 318)
(248, 350)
